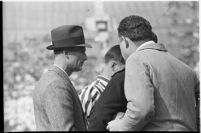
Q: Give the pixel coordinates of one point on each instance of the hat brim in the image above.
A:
(52, 47)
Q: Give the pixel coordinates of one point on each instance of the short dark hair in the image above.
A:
(58, 51)
(114, 53)
(136, 28)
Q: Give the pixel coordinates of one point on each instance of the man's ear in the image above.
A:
(113, 65)
(110, 63)
(66, 54)
(126, 39)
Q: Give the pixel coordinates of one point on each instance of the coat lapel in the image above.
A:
(65, 77)
(156, 46)
(59, 72)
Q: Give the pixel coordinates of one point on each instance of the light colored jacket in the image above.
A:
(56, 103)
(160, 92)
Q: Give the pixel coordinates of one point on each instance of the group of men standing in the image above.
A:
(153, 92)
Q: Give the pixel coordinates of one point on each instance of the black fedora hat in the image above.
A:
(67, 36)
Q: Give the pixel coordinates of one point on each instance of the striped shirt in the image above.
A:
(91, 93)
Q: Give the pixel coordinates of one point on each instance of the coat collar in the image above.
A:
(63, 75)
(59, 72)
(156, 46)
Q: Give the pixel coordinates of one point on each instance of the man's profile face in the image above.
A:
(77, 58)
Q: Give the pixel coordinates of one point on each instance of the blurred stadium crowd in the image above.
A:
(25, 57)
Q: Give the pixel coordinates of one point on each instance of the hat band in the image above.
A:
(69, 42)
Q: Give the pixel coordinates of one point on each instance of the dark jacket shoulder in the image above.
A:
(121, 72)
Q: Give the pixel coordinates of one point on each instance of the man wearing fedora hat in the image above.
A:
(56, 103)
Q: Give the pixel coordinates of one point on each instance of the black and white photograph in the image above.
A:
(101, 65)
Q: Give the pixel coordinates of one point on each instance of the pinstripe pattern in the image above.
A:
(91, 93)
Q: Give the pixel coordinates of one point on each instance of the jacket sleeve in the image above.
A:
(139, 92)
(88, 98)
(58, 105)
(85, 98)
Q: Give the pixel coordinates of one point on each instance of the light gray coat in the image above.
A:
(160, 91)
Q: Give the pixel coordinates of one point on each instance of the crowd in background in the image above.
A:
(25, 60)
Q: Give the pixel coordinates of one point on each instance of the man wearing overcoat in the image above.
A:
(159, 88)
(56, 103)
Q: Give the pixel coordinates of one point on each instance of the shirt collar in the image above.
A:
(60, 68)
(103, 78)
(146, 43)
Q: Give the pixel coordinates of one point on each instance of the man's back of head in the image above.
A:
(136, 28)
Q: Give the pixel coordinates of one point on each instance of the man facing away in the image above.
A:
(112, 102)
(56, 103)
(159, 88)
(114, 62)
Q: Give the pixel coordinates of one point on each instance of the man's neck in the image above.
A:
(60, 68)
(134, 47)
(106, 75)
(60, 63)
(144, 43)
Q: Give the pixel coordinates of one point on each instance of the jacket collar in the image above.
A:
(60, 68)
(63, 75)
(156, 46)
(59, 72)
